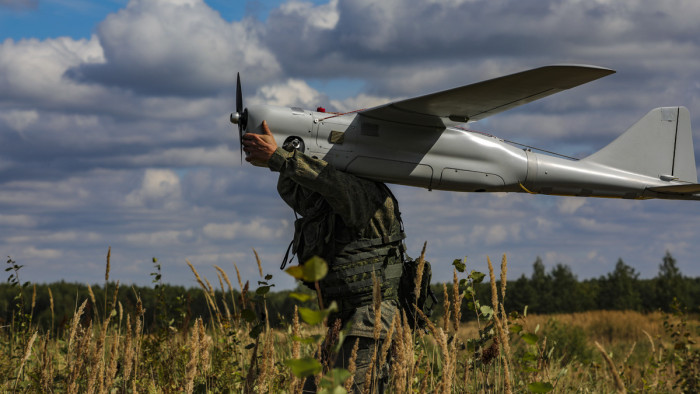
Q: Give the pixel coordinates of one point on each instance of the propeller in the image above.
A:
(241, 116)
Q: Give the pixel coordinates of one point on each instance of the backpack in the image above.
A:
(407, 293)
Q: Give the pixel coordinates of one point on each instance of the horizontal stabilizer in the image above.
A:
(483, 99)
(689, 189)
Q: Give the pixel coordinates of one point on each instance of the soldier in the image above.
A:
(355, 225)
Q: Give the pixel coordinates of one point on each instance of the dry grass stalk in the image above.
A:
(196, 275)
(33, 300)
(268, 361)
(97, 359)
(74, 325)
(387, 341)
(402, 361)
(504, 282)
(109, 253)
(230, 287)
(446, 307)
(449, 355)
(297, 383)
(257, 259)
(27, 353)
(619, 385)
(377, 299)
(191, 368)
(128, 351)
(223, 295)
(240, 285)
(499, 328)
(456, 301)
(115, 293)
(138, 335)
(419, 271)
(80, 354)
(205, 342)
(46, 370)
(111, 372)
(352, 367)
(92, 297)
(51, 307)
(629, 354)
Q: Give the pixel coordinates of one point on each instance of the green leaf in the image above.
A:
(530, 338)
(301, 297)
(335, 380)
(540, 387)
(256, 331)
(268, 276)
(248, 315)
(262, 290)
(296, 271)
(515, 328)
(460, 266)
(477, 276)
(314, 269)
(486, 311)
(304, 367)
(314, 317)
(311, 316)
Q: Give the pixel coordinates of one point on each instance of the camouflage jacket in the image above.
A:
(358, 209)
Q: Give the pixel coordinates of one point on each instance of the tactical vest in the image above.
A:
(352, 261)
(350, 279)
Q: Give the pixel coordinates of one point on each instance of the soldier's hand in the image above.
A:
(259, 147)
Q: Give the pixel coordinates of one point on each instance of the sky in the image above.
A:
(114, 127)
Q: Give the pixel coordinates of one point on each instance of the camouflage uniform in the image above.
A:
(354, 224)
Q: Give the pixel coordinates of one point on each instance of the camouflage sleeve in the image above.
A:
(353, 198)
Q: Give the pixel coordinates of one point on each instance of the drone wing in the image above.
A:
(482, 99)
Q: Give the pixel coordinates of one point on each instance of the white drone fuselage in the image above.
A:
(398, 144)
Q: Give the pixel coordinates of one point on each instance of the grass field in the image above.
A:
(603, 351)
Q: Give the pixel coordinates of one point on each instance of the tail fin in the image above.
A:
(659, 145)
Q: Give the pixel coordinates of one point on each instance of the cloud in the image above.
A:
(175, 48)
(158, 188)
(293, 92)
(257, 228)
(18, 220)
(570, 205)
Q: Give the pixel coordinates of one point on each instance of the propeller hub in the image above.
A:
(235, 118)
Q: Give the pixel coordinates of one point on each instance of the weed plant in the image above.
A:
(108, 350)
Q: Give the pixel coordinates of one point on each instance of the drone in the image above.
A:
(421, 142)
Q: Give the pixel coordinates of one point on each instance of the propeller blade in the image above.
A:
(239, 111)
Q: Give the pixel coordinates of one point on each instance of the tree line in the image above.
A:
(51, 306)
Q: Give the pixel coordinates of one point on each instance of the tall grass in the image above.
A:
(238, 351)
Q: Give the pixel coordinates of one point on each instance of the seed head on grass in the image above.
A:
(191, 368)
(499, 327)
(196, 275)
(456, 301)
(74, 325)
(109, 253)
(257, 259)
(619, 385)
(446, 307)
(352, 367)
(27, 353)
(419, 272)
